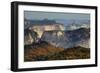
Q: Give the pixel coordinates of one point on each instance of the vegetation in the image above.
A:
(71, 53)
(44, 51)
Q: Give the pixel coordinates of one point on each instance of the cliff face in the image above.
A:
(30, 37)
(40, 29)
(68, 39)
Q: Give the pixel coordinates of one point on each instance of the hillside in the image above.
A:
(71, 53)
(44, 51)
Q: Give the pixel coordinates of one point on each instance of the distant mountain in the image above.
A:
(67, 22)
(68, 39)
(76, 26)
(28, 23)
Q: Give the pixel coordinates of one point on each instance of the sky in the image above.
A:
(36, 15)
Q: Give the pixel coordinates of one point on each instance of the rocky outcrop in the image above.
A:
(30, 37)
(68, 39)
